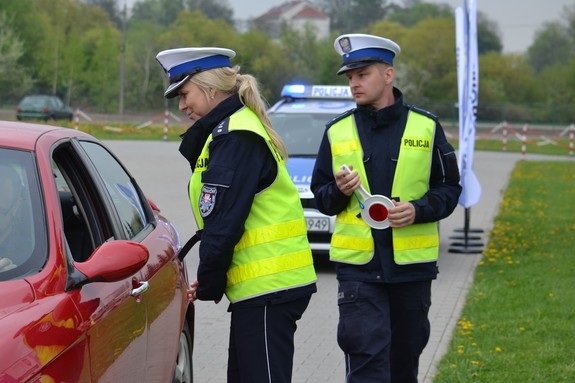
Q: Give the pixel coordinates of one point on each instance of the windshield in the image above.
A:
(301, 132)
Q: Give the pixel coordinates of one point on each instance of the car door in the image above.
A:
(113, 312)
(164, 297)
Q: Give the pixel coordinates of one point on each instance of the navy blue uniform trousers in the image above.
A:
(262, 341)
(383, 328)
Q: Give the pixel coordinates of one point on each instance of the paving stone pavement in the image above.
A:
(164, 175)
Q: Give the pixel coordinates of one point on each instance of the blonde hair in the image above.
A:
(229, 81)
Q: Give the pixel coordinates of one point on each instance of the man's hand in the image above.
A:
(347, 182)
(403, 214)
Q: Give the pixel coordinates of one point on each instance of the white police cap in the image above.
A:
(182, 63)
(359, 50)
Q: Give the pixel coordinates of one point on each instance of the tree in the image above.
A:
(552, 45)
(348, 16)
(111, 8)
(29, 27)
(143, 83)
(214, 9)
(557, 83)
(271, 69)
(163, 12)
(416, 12)
(488, 35)
(66, 54)
(568, 16)
(103, 65)
(426, 65)
(301, 51)
(507, 77)
(14, 78)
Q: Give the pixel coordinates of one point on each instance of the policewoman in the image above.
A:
(254, 247)
(384, 274)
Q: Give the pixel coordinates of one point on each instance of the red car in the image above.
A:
(91, 286)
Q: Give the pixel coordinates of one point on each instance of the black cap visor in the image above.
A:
(172, 90)
(360, 64)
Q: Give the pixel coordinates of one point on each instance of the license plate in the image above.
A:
(317, 224)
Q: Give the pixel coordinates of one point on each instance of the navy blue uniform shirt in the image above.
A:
(380, 134)
(240, 165)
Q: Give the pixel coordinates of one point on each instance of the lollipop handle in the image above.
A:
(364, 194)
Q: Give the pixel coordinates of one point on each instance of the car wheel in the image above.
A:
(183, 370)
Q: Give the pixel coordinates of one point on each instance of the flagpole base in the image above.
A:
(465, 250)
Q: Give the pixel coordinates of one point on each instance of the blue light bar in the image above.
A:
(317, 91)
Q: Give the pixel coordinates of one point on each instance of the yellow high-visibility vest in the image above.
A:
(352, 240)
(273, 254)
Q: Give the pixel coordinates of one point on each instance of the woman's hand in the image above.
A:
(192, 291)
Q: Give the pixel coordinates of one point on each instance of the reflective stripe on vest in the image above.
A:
(352, 240)
(273, 253)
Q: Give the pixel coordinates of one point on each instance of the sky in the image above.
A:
(518, 20)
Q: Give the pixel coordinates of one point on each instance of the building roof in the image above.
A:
(297, 9)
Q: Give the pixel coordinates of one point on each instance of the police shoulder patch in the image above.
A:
(207, 200)
(423, 111)
(340, 117)
(221, 128)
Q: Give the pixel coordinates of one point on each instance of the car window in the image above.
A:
(23, 244)
(123, 192)
(301, 132)
(86, 222)
(58, 103)
(32, 101)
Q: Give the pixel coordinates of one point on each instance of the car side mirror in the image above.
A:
(113, 261)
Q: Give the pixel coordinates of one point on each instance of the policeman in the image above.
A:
(384, 275)
(254, 246)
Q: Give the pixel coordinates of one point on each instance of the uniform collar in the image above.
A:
(387, 115)
(222, 111)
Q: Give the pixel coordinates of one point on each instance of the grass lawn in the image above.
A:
(518, 323)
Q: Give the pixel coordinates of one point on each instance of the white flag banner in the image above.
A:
(468, 92)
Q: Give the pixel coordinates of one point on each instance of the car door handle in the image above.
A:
(139, 290)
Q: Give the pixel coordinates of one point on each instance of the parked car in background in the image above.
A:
(300, 118)
(91, 286)
(43, 107)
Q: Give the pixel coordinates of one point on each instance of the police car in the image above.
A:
(300, 118)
